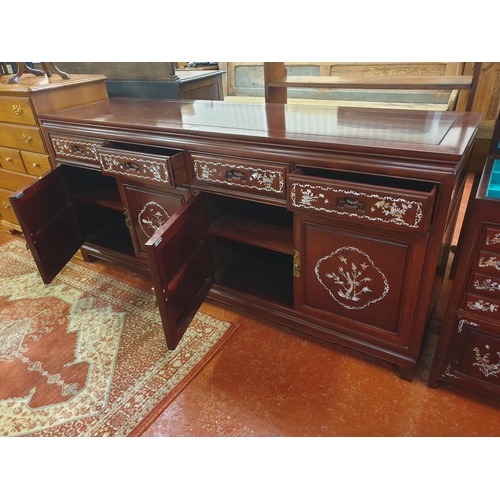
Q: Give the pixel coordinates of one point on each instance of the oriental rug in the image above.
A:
(85, 355)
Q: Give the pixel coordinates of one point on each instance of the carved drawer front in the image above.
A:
(488, 262)
(388, 206)
(76, 149)
(36, 164)
(10, 159)
(13, 181)
(142, 165)
(244, 175)
(485, 306)
(16, 110)
(474, 356)
(6, 210)
(492, 238)
(21, 137)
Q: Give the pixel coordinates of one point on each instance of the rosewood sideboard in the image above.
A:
(333, 221)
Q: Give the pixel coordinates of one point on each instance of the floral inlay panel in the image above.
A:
(492, 261)
(369, 206)
(487, 284)
(493, 239)
(242, 175)
(351, 278)
(152, 217)
(482, 305)
(486, 367)
(85, 150)
(137, 168)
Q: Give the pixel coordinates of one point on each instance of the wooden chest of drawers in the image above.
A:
(24, 155)
(468, 353)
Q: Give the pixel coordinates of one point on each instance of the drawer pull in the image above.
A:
(350, 204)
(235, 175)
(18, 110)
(5, 204)
(77, 149)
(35, 164)
(131, 166)
(27, 138)
(8, 159)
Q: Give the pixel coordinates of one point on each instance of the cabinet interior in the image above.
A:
(252, 247)
(370, 179)
(99, 209)
(141, 148)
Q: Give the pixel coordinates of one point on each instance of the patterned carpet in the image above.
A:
(85, 355)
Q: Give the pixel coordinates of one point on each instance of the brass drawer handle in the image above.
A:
(8, 158)
(350, 204)
(36, 165)
(18, 110)
(5, 204)
(235, 175)
(131, 166)
(27, 138)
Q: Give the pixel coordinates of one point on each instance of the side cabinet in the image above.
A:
(468, 352)
(360, 251)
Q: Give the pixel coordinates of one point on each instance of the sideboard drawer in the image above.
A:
(228, 173)
(143, 163)
(6, 210)
(21, 137)
(16, 110)
(401, 204)
(10, 159)
(80, 149)
(35, 163)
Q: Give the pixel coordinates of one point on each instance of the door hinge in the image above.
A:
(127, 219)
(296, 264)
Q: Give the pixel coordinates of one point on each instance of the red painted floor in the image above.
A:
(271, 381)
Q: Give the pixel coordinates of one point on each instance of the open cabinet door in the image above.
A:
(181, 263)
(49, 222)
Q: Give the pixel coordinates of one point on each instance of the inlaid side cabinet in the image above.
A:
(468, 352)
(331, 221)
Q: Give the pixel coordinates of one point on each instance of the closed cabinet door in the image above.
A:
(148, 210)
(367, 283)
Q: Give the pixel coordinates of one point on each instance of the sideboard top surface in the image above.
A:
(442, 135)
(29, 84)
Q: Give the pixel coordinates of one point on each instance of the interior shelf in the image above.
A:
(253, 232)
(261, 273)
(103, 196)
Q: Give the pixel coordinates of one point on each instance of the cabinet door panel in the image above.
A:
(148, 211)
(49, 222)
(180, 258)
(365, 282)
